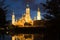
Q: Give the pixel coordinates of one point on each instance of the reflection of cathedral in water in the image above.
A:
(25, 18)
(23, 37)
(28, 37)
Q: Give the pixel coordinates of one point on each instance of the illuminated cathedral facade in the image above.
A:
(26, 18)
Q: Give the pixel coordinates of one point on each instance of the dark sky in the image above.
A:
(19, 7)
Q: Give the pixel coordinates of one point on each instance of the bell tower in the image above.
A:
(13, 18)
(38, 14)
(27, 14)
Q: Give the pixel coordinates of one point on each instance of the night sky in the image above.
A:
(19, 7)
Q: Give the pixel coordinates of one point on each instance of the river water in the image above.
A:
(22, 37)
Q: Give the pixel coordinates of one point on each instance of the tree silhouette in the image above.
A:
(52, 7)
(53, 11)
(3, 12)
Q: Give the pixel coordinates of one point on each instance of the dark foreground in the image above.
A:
(51, 33)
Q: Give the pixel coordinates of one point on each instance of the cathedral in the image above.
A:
(26, 18)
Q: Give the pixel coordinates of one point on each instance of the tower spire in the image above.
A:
(13, 18)
(38, 9)
(27, 15)
(27, 8)
(13, 12)
(38, 14)
(27, 5)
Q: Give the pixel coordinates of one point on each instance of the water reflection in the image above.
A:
(22, 37)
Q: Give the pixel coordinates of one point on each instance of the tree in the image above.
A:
(53, 11)
(3, 12)
(52, 7)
